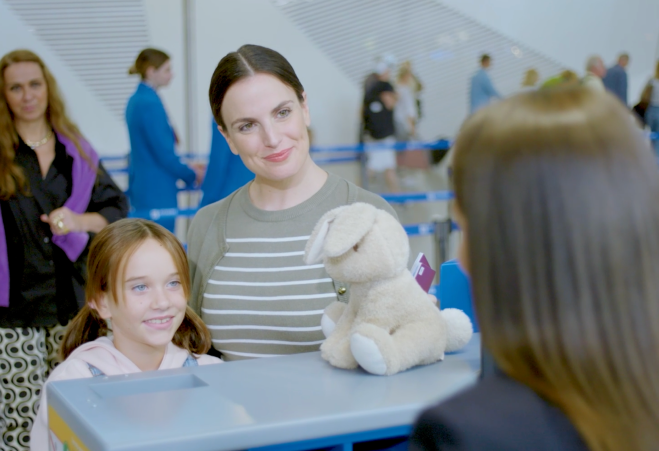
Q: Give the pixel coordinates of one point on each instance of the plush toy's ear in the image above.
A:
(349, 226)
(313, 252)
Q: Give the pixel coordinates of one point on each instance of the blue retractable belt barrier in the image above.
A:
(163, 213)
(422, 229)
(399, 146)
(335, 160)
(429, 196)
(403, 146)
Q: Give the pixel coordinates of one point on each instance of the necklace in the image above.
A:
(34, 145)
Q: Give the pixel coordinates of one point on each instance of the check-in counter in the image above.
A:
(296, 402)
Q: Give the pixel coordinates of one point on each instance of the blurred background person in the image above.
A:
(576, 336)
(226, 171)
(406, 111)
(53, 193)
(417, 88)
(482, 91)
(406, 116)
(530, 80)
(615, 79)
(379, 127)
(595, 72)
(154, 166)
(565, 78)
(651, 94)
(369, 81)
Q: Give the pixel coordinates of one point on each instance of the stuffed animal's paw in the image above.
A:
(337, 353)
(327, 325)
(331, 316)
(367, 354)
(459, 329)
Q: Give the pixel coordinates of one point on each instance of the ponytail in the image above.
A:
(148, 58)
(85, 327)
(193, 334)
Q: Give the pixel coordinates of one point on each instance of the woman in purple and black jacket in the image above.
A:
(54, 193)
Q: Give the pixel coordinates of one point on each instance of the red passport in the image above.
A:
(422, 272)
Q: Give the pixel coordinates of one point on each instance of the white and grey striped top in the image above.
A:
(262, 300)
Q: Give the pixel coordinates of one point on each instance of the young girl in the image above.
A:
(136, 317)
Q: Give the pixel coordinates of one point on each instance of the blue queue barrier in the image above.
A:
(395, 198)
(402, 146)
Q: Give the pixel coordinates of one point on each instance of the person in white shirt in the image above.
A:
(406, 113)
(595, 72)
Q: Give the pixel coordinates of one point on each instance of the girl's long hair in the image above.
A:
(12, 178)
(560, 192)
(108, 255)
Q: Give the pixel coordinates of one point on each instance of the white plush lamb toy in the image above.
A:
(389, 323)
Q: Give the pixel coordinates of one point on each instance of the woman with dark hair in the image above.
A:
(249, 281)
(556, 193)
(53, 193)
(154, 166)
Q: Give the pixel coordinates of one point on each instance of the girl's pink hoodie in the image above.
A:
(102, 354)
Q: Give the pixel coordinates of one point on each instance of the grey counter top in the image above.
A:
(251, 403)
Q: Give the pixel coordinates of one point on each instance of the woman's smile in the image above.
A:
(279, 156)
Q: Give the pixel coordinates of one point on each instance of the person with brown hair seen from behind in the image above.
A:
(556, 194)
(54, 193)
(154, 167)
(138, 281)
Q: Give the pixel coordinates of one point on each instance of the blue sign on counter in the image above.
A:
(455, 290)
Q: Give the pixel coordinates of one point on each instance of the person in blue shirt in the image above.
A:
(154, 166)
(482, 91)
(615, 80)
(228, 172)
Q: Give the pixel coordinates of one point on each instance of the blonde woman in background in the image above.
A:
(53, 193)
(530, 80)
(406, 116)
(405, 111)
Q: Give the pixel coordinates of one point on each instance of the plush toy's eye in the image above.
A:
(355, 247)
